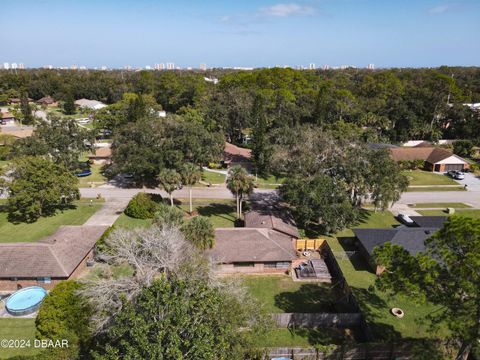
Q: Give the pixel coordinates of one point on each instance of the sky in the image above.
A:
(248, 33)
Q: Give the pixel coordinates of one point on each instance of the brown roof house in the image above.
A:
(436, 159)
(47, 100)
(235, 155)
(265, 245)
(60, 256)
(7, 119)
(103, 155)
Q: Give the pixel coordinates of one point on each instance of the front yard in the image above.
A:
(376, 304)
(97, 177)
(470, 213)
(279, 293)
(23, 232)
(421, 177)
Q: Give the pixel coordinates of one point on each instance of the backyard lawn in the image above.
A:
(420, 177)
(17, 329)
(45, 226)
(300, 337)
(375, 304)
(279, 293)
(470, 213)
(96, 177)
(3, 163)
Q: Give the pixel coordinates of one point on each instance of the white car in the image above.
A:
(459, 175)
(405, 219)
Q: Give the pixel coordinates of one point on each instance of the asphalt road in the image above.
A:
(471, 197)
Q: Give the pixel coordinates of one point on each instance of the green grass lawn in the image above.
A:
(96, 177)
(3, 163)
(470, 213)
(128, 222)
(455, 205)
(299, 337)
(221, 214)
(212, 177)
(375, 304)
(270, 182)
(279, 293)
(45, 226)
(421, 177)
(433, 188)
(17, 329)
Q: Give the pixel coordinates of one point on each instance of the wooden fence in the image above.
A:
(312, 320)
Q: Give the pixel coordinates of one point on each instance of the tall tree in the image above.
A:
(240, 183)
(60, 139)
(69, 105)
(26, 110)
(37, 187)
(447, 273)
(319, 201)
(170, 181)
(261, 150)
(191, 174)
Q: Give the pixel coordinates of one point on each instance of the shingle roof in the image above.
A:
(429, 221)
(429, 154)
(233, 153)
(411, 239)
(276, 220)
(251, 245)
(55, 256)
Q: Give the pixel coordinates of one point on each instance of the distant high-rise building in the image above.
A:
(21, 66)
(203, 66)
(371, 66)
(127, 67)
(6, 66)
(83, 67)
(14, 66)
(326, 67)
(160, 66)
(170, 66)
(104, 67)
(73, 67)
(148, 67)
(311, 66)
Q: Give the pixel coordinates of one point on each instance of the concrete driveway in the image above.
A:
(472, 182)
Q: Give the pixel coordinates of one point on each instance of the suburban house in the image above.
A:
(436, 159)
(90, 104)
(264, 245)
(103, 155)
(47, 100)
(7, 119)
(235, 155)
(411, 239)
(60, 256)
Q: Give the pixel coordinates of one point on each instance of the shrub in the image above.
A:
(143, 206)
(168, 215)
(64, 315)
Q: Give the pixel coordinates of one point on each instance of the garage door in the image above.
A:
(449, 167)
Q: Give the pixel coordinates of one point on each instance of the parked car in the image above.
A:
(459, 175)
(404, 218)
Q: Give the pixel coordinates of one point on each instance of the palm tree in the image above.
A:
(240, 183)
(200, 232)
(190, 176)
(170, 181)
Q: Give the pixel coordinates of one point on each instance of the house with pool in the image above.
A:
(44, 263)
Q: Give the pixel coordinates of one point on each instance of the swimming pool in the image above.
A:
(25, 301)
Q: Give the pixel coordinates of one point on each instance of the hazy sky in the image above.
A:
(240, 33)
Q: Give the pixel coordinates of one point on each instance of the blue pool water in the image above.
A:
(26, 300)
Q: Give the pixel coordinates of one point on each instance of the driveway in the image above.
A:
(472, 182)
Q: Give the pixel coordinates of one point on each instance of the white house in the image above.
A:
(90, 104)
